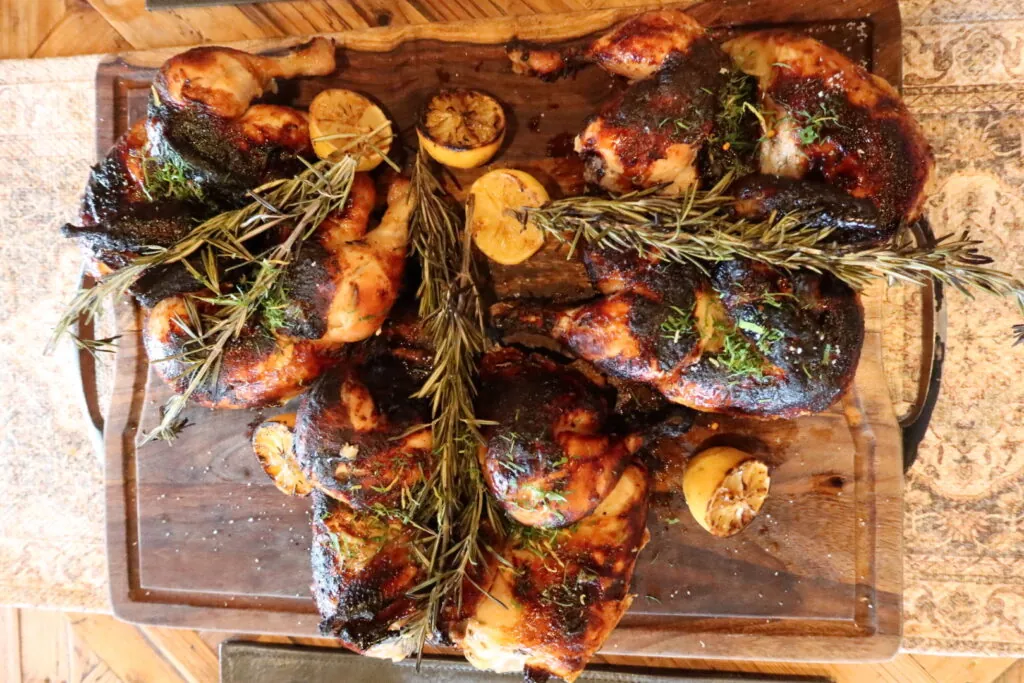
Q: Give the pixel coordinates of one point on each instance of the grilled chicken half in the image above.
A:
(748, 339)
(830, 119)
(549, 458)
(654, 132)
(339, 289)
(559, 594)
(201, 116)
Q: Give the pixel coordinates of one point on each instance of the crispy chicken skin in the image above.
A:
(200, 118)
(552, 610)
(747, 340)
(340, 290)
(363, 570)
(259, 368)
(653, 132)
(345, 280)
(353, 437)
(834, 120)
(550, 459)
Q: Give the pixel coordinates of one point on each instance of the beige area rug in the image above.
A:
(964, 517)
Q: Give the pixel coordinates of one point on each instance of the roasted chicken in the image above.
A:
(653, 132)
(548, 608)
(549, 457)
(339, 290)
(363, 572)
(360, 437)
(746, 339)
(830, 119)
(201, 118)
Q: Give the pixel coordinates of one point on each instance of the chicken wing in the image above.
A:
(829, 118)
(550, 606)
(549, 458)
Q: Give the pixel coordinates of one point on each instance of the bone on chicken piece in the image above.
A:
(549, 457)
(553, 602)
(832, 119)
(746, 340)
(652, 133)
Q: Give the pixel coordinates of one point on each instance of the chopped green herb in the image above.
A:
(677, 324)
(672, 520)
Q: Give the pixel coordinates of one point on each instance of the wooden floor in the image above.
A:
(38, 645)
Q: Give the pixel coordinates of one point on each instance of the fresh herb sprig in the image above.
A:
(452, 313)
(698, 228)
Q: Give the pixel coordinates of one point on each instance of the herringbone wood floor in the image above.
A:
(38, 645)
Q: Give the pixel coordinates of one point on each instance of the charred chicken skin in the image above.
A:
(652, 133)
(553, 604)
(550, 458)
(202, 132)
(363, 572)
(201, 117)
(339, 290)
(748, 339)
(359, 436)
(830, 119)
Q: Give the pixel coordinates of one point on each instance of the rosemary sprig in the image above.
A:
(323, 188)
(698, 228)
(452, 314)
(94, 346)
(161, 180)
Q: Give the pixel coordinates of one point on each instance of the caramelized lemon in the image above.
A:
(725, 489)
(496, 231)
(273, 443)
(461, 128)
(337, 117)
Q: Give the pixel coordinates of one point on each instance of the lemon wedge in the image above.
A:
(273, 443)
(337, 117)
(496, 230)
(725, 489)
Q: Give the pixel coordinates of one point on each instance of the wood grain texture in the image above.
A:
(198, 538)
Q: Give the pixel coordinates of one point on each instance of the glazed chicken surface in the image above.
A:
(653, 132)
(202, 119)
(558, 597)
(830, 119)
(743, 339)
(356, 434)
(550, 459)
(339, 289)
(363, 571)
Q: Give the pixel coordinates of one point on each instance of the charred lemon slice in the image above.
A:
(496, 230)
(337, 118)
(273, 443)
(461, 128)
(725, 489)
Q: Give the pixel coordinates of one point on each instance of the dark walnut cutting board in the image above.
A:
(198, 537)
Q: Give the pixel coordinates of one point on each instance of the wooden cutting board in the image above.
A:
(199, 538)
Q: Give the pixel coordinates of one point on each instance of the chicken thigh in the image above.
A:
(548, 457)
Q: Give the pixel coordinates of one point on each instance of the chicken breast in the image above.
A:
(557, 597)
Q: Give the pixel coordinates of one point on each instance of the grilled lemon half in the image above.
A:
(337, 117)
(273, 443)
(725, 489)
(461, 128)
(496, 231)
